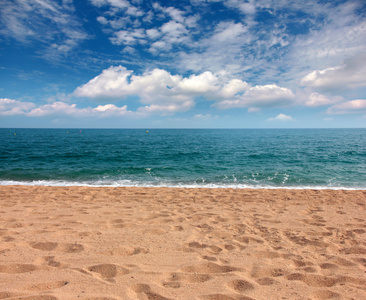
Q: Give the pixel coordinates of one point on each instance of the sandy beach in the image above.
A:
(172, 243)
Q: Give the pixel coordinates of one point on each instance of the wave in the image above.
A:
(130, 183)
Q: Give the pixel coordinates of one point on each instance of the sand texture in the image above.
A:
(162, 243)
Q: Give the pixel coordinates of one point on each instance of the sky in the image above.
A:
(182, 64)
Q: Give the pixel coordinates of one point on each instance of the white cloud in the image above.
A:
(55, 108)
(166, 109)
(200, 84)
(54, 25)
(202, 117)
(169, 34)
(111, 110)
(131, 29)
(160, 88)
(159, 46)
(350, 107)
(281, 118)
(229, 32)
(111, 83)
(115, 3)
(316, 100)
(321, 35)
(349, 75)
(125, 37)
(178, 15)
(157, 88)
(253, 109)
(338, 30)
(134, 11)
(153, 33)
(9, 107)
(157, 85)
(175, 14)
(232, 88)
(260, 96)
(174, 32)
(116, 23)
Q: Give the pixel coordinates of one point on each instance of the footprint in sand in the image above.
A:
(224, 297)
(240, 285)
(49, 261)
(315, 280)
(14, 225)
(18, 268)
(126, 251)
(117, 223)
(108, 271)
(101, 298)
(141, 288)
(328, 269)
(50, 246)
(211, 249)
(38, 297)
(46, 286)
(209, 267)
(353, 250)
(6, 295)
(266, 281)
(172, 285)
(263, 271)
(209, 258)
(249, 240)
(325, 294)
(175, 279)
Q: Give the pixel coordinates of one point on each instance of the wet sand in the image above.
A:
(172, 243)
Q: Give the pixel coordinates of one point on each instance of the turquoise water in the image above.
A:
(237, 158)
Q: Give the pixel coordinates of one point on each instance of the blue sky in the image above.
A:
(182, 64)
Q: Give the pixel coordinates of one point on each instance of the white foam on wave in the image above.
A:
(129, 183)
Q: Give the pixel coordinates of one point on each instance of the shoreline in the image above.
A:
(181, 243)
(234, 187)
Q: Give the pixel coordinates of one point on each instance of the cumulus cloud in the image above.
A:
(260, 96)
(202, 116)
(350, 107)
(166, 109)
(281, 118)
(350, 75)
(316, 100)
(111, 83)
(320, 36)
(173, 93)
(9, 107)
(200, 84)
(160, 87)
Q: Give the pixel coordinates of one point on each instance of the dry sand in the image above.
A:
(162, 243)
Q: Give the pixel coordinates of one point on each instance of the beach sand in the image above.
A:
(177, 243)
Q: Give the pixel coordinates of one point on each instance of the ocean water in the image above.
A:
(236, 158)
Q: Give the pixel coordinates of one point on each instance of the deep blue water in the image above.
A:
(238, 158)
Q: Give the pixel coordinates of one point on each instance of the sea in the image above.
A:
(193, 158)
